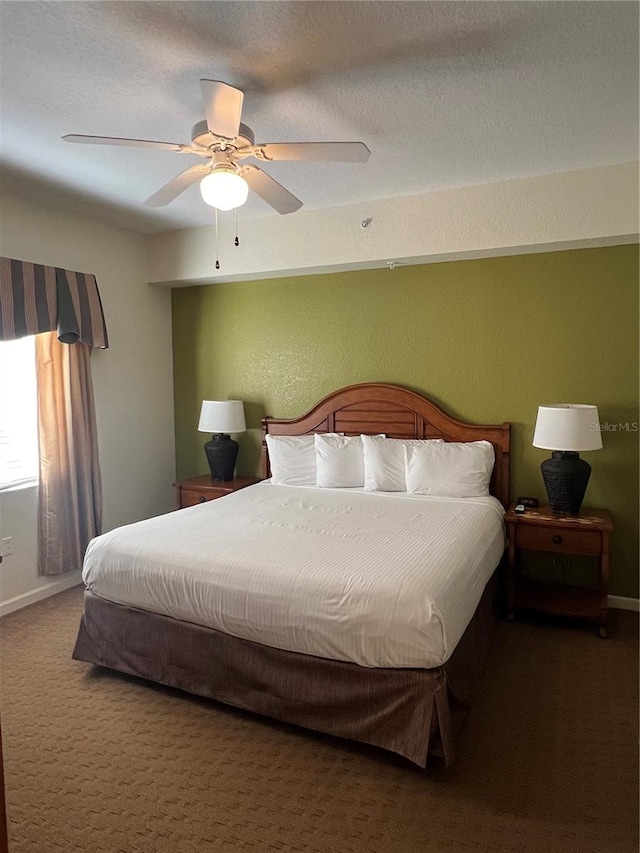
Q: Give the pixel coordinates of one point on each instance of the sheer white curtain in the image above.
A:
(70, 494)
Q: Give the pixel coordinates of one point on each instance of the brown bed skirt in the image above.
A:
(411, 712)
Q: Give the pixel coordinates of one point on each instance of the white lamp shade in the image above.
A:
(224, 189)
(568, 426)
(222, 416)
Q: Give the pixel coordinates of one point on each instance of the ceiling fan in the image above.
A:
(224, 142)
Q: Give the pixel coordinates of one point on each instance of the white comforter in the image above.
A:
(382, 580)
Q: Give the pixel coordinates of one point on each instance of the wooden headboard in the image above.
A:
(372, 408)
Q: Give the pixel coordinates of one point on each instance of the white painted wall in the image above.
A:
(133, 381)
(568, 210)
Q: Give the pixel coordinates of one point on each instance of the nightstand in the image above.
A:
(199, 490)
(544, 530)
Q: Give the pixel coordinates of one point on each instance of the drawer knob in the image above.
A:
(202, 499)
(557, 540)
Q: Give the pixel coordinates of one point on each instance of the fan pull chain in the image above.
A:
(217, 252)
(236, 241)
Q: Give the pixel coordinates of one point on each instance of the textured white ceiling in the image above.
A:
(445, 94)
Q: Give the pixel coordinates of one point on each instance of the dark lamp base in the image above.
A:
(565, 477)
(222, 452)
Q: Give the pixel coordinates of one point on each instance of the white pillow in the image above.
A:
(339, 461)
(450, 469)
(384, 462)
(292, 459)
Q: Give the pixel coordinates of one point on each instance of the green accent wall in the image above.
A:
(488, 340)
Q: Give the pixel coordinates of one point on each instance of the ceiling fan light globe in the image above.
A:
(224, 189)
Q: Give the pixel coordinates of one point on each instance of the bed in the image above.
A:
(211, 600)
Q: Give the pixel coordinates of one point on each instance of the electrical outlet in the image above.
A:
(7, 546)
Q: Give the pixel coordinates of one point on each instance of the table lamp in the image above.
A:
(220, 417)
(567, 429)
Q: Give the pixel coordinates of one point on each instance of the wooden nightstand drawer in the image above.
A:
(191, 498)
(558, 539)
(200, 490)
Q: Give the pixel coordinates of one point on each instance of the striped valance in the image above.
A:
(35, 298)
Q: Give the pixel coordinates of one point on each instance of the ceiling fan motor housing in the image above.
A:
(201, 135)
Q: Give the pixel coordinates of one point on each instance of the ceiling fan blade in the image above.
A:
(270, 190)
(222, 107)
(115, 140)
(338, 152)
(177, 185)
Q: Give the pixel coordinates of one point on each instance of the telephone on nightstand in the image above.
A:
(523, 504)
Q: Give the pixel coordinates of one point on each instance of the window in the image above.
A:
(18, 413)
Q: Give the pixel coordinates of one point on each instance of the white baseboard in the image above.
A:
(40, 593)
(621, 602)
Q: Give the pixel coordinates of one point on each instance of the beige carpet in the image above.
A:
(99, 762)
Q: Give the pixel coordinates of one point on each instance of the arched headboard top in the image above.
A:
(373, 407)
